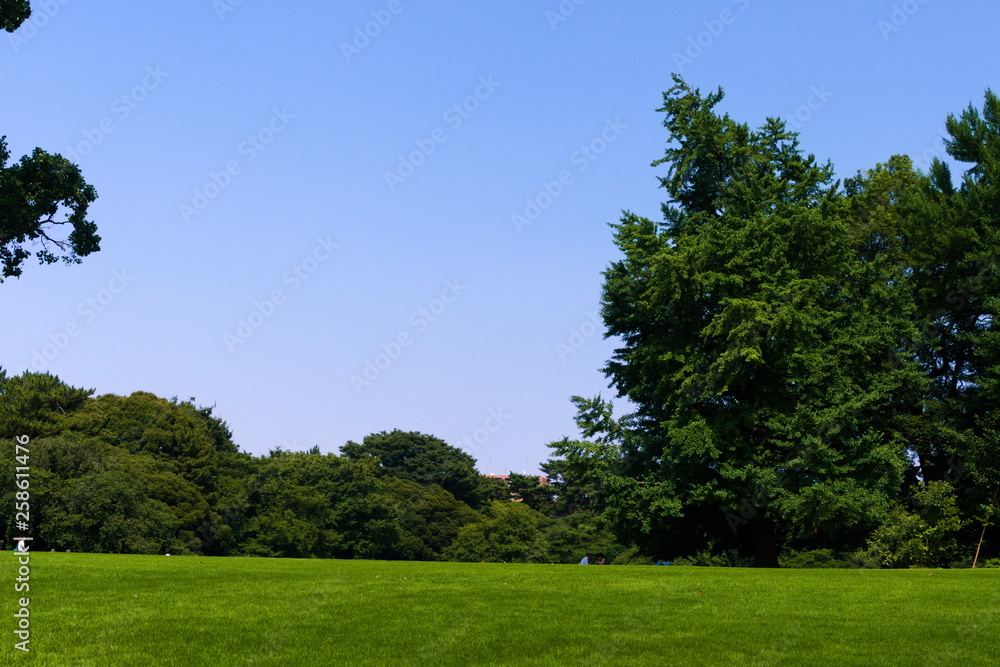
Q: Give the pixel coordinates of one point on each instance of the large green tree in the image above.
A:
(760, 351)
(429, 518)
(40, 194)
(139, 457)
(423, 459)
(89, 495)
(953, 239)
(513, 533)
(307, 504)
(943, 235)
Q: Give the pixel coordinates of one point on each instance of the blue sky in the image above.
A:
(308, 214)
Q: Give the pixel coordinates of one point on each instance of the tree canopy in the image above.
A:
(422, 459)
(13, 13)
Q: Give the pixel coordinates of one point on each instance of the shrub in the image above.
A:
(632, 556)
(925, 537)
(817, 558)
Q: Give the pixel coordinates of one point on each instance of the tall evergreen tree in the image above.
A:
(759, 350)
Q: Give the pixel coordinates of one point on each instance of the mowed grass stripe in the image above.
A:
(94, 609)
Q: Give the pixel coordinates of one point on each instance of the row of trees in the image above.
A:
(812, 365)
(142, 474)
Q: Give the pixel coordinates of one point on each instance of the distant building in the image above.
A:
(543, 481)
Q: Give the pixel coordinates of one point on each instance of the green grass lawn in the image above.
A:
(90, 609)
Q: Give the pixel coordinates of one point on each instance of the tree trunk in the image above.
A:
(765, 544)
(978, 547)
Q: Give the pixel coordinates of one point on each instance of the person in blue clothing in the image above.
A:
(585, 560)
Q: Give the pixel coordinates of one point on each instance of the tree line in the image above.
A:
(147, 475)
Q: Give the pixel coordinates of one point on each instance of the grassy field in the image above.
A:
(89, 609)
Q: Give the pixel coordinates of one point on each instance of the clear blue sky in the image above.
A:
(241, 152)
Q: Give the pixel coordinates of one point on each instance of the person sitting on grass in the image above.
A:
(585, 560)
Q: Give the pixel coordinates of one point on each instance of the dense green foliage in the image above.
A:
(34, 194)
(145, 475)
(422, 459)
(151, 610)
(13, 13)
(801, 354)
